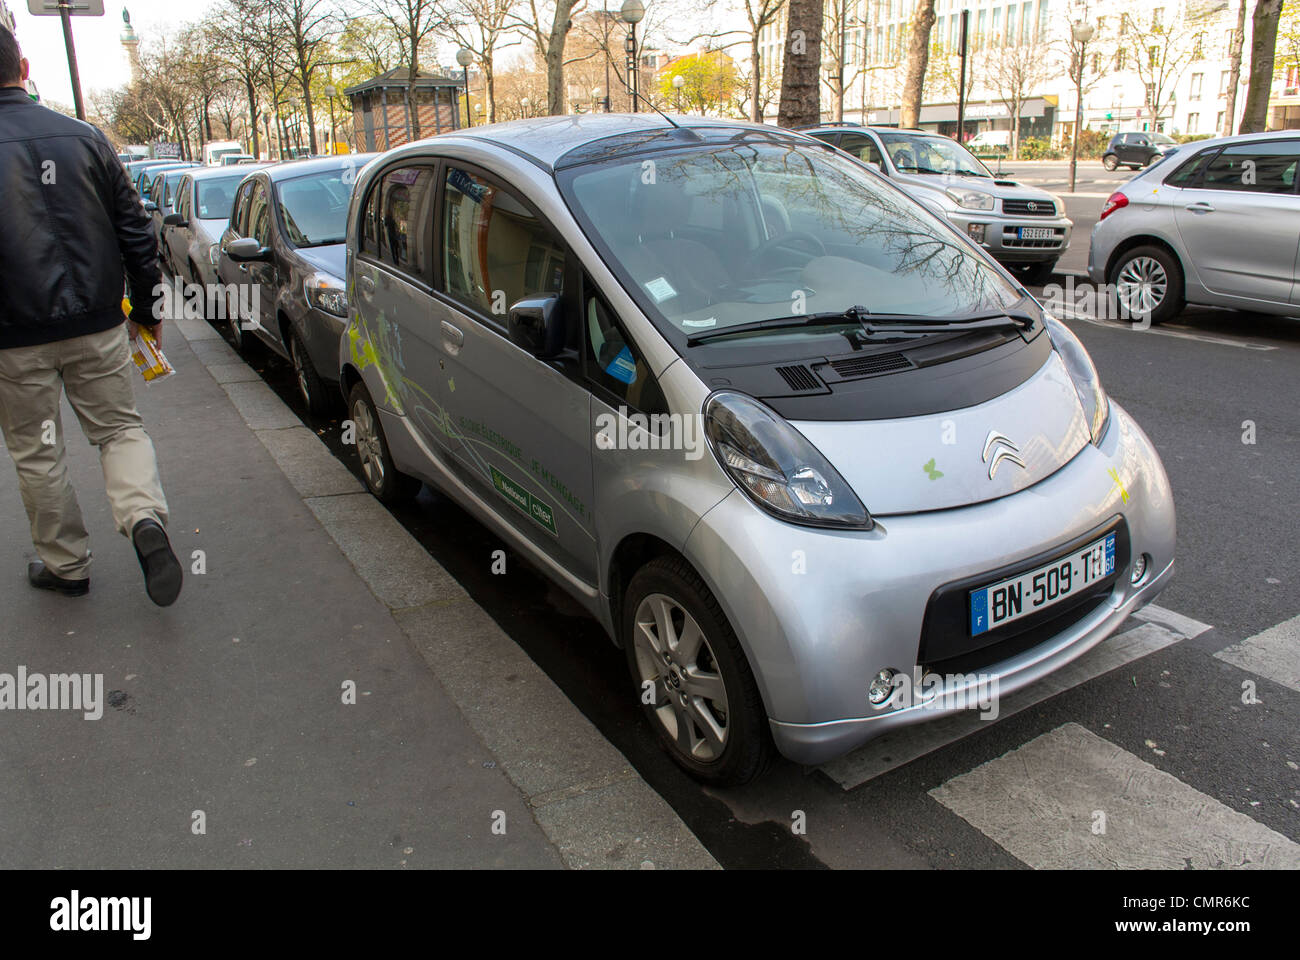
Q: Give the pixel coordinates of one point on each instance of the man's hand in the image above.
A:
(133, 330)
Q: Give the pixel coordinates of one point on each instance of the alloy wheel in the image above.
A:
(1141, 285)
(690, 697)
(368, 445)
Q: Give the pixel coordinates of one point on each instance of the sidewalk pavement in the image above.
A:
(226, 740)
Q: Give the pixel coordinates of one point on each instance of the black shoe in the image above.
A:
(42, 579)
(162, 571)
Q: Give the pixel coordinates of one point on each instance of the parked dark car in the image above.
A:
(161, 201)
(286, 235)
(1136, 150)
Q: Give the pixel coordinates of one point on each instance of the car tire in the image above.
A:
(738, 745)
(1035, 274)
(1161, 271)
(1110, 161)
(315, 393)
(382, 478)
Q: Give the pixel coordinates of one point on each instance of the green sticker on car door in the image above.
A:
(535, 507)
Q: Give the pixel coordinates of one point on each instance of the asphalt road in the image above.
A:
(1194, 385)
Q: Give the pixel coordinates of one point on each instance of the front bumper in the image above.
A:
(821, 612)
(1001, 235)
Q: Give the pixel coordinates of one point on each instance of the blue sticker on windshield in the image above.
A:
(623, 367)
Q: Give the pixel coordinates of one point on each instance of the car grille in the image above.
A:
(1029, 208)
(869, 366)
(946, 644)
(1011, 240)
(799, 377)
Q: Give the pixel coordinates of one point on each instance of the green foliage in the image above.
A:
(711, 82)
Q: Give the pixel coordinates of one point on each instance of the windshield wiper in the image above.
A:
(873, 323)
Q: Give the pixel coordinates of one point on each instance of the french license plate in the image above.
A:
(1019, 596)
(1035, 233)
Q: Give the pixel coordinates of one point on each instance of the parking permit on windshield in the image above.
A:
(660, 289)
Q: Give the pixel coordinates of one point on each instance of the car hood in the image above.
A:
(331, 259)
(937, 462)
(1003, 189)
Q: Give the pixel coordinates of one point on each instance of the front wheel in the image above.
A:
(694, 681)
(388, 484)
(1035, 274)
(315, 394)
(1148, 283)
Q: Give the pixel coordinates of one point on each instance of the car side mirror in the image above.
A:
(537, 325)
(150, 207)
(247, 250)
(175, 220)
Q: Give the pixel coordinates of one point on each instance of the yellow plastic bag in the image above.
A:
(146, 354)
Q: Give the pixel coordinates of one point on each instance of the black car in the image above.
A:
(285, 244)
(1136, 150)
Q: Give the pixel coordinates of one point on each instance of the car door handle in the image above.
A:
(453, 335)
(367, 285)
(1200, 206)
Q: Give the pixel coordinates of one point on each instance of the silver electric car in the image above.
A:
(819, 465)
(1212, 222)
(200, 215)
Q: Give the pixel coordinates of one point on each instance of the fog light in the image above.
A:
(1140, 568)
(976, 231)
(882, 687)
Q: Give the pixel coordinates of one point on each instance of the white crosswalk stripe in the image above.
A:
(1071, 799)
(1273, 654)
(1160, 628)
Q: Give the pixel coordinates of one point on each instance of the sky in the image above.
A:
(101, 58)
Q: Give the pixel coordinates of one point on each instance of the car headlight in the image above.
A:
(970, 199)
(1060, 205)
(1096, 405)
(326, 293)
(777, 466)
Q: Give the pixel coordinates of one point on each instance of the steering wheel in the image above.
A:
(790, 238)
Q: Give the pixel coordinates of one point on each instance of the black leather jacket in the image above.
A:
(70, 222)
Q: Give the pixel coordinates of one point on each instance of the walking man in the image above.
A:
(72, 221)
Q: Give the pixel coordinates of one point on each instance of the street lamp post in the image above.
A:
(632, 13)
(1082, 33)
(524, 104)
(465, 56)
(678, 82)
(330, 92)
(597, 94)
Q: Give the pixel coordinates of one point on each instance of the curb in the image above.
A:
(589, 801)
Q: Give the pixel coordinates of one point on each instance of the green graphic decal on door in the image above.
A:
(536, 508)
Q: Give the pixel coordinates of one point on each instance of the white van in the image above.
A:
(212, 152)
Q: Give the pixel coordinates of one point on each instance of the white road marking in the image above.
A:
(1273, 654)
(1164, 330)
(1163, 627)
(1045, 801)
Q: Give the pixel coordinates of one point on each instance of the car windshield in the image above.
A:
(920, 154)
(1161, 139)
(315, 208)
(721, 235)
(213, 197)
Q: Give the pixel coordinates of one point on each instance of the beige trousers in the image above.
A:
(96, 372)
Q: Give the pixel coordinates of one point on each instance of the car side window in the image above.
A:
(183, 198)
(612, 361)
(151, 190)
(861, 146)
(1190, 171)
(1263, 167)
(405, 217)
(259, 215)
(495, 251)
(369, 219)
(239, 221)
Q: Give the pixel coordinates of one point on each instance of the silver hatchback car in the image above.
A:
(1213, 222)
(814, 461)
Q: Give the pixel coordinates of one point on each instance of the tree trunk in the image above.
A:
(800, 104)
(756, 81)
(311, 113)
(412, 112)
(1254, 118)
(918, 58)
(1234, 70)
(490, 89)
(251, 93)
(555, 57)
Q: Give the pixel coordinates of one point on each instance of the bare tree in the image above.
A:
(548, 39)
(1015, 71)
(234, 27)
(800, 103)
(1263, 44)
(759, 15)
(1162, 50)
(480, 26)
(918, 58)
(1234, 69)
(412, 21)
(307, 26)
